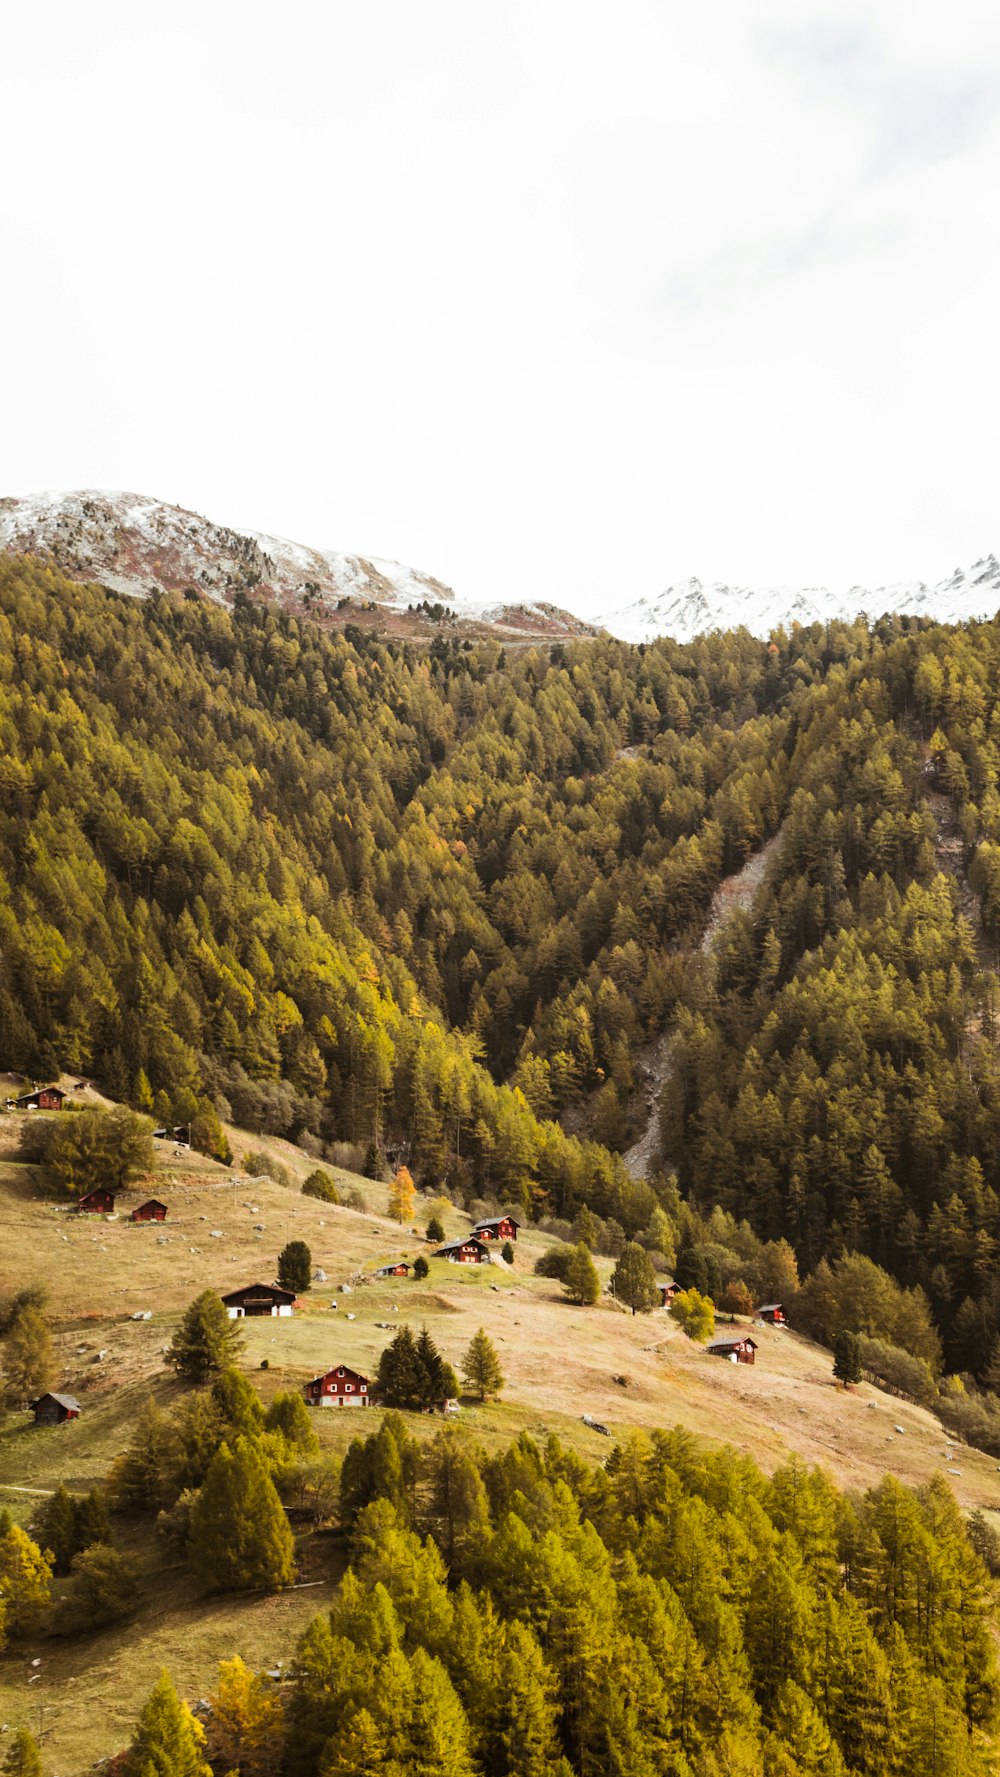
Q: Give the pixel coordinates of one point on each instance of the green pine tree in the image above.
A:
(23, 1758)
(168, 1741)
(295, 1267)
(55, 1528)
(206, 1342)
(240, 1535)
(481, 1366)
(29, 1366)
(634, 1279)
(580, 1280)
(91, 1521)
(847, 1364)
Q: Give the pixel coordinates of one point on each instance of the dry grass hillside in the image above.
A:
(225, 1229)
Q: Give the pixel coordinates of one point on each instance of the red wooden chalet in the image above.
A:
(400, 1269)
(772, 1314)
(497, 1228)
(97, 1203)
(339, 1388)
(470, 1251)
(153, 1211)
(738, 1351)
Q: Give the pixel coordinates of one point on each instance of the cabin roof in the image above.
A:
(64, 1400)
(769, 1307)
(454, 1246)
(494, 1221)
(152, 1203)
(267, 1289)
(730, 1344)
(335, 1370)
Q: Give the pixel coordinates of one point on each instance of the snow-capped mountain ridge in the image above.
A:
(138, 545)
(691, 608)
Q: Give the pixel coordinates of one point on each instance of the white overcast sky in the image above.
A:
(560, 300)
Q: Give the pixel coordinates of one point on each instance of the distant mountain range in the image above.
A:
(690, 608)
(139, 545)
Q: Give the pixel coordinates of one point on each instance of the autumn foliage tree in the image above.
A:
(168, 1740)
(402, 1196)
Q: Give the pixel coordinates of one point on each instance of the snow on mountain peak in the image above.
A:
(690, 608)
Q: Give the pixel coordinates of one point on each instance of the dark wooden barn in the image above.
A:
(738, 1351)
(97, 1203)
(180, 1132)
(258, 1299)
(497, 1228)
(668, 1290)
(47, 1098)
(55, 1409)
(152, 1211)
(339, 1388)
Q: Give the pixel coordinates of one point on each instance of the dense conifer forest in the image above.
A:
(433, 901)
(675, 1613)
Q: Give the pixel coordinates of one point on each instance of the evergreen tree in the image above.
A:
(206, 1342)
(29, 1368)
(580, 1281)
(141, 1479)
(320, 1184)
(54, 1527)
(240, 1536)
(168, 1741)
(458, 1503)
(481, 1366)
(91, 1521)
(401, 1380)
(94, 1147)
(105, 1586)
(357, 1748)
(435, 1231)
(507, 1253)
(441, 1383)
(412, 1372)
(289, 1415)
(237, 1406)
(847, 1363)
(295, 1267)
(420, 1268)
(23, 1759)
(634, 1279)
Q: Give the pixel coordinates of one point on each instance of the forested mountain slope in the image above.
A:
(434, 898)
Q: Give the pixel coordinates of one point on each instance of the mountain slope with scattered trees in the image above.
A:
(431, 901)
